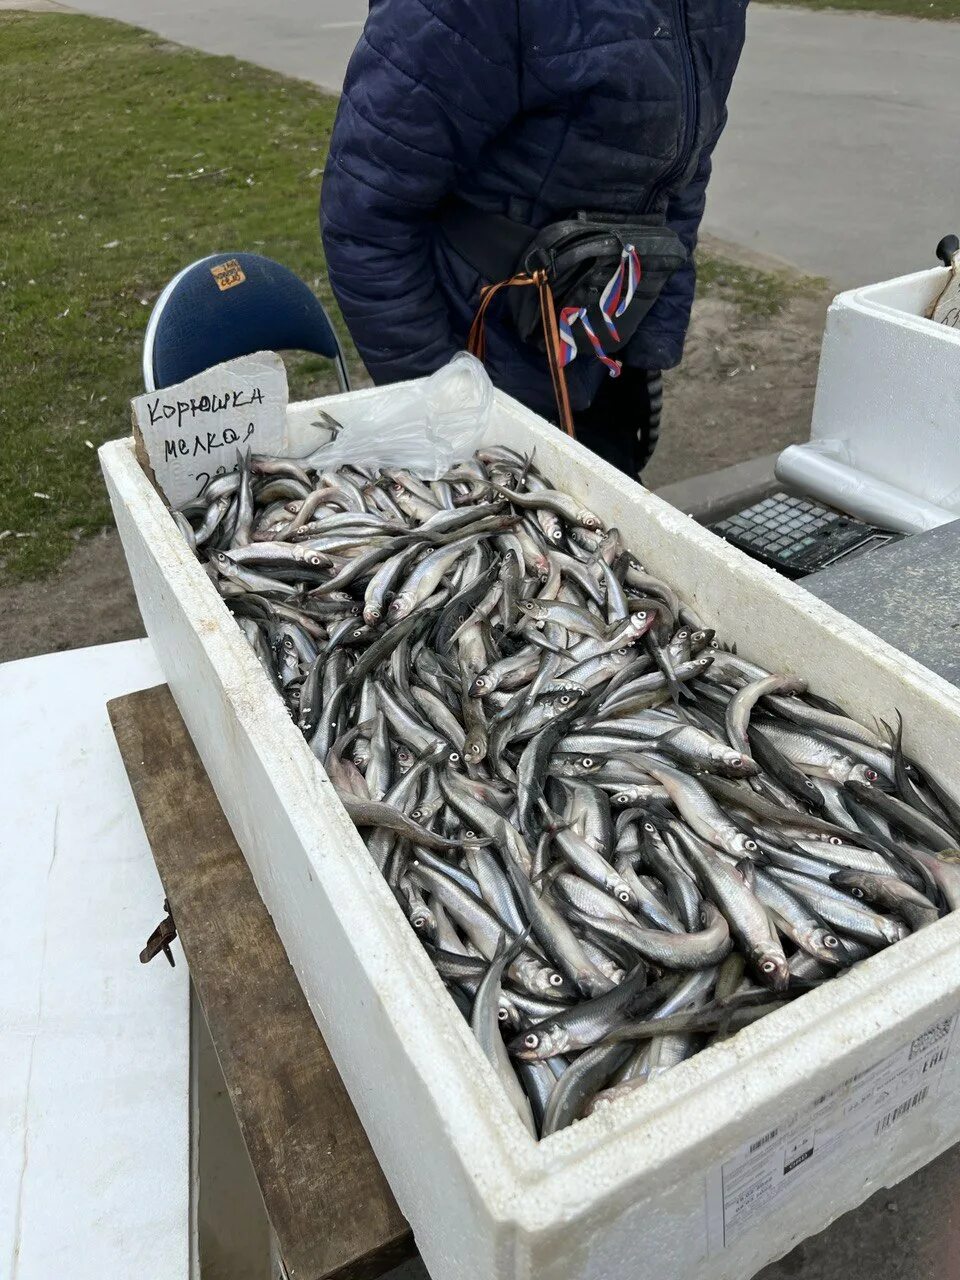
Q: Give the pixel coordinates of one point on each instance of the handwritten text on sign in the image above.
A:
(193, 431)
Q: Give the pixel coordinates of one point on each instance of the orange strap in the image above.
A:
(476, 343)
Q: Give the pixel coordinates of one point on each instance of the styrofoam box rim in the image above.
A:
(708, 1104)
(903, 302)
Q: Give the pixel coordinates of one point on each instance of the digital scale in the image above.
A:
(797, 536)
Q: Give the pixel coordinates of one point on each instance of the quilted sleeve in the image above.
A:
(659, 342)
(430, 83)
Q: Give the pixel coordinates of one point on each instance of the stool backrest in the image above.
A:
(229, 305)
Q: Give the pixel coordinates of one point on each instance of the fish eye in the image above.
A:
(555, 980)
(736, 761)
(622, 798)
(857, 893)
(564, 699)
(470, 835)
(587, 762)
(418, 922)
(768, 966)
(834, 840)
(872, 775)
(502, 1015)
(454, 757)
(358, 632)
(624, 649)
(640, 615)
(531, 1041)
(830, 941)
(479, 683)
(623, 895)
(750, 846)
(648, 826)
(418, 814)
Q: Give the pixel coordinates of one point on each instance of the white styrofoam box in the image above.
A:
(888, 390)
(622, 1194)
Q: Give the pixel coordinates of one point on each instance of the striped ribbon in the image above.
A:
(614, 301)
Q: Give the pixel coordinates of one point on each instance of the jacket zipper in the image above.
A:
(690, 105)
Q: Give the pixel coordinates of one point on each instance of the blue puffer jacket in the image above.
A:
(532, 108)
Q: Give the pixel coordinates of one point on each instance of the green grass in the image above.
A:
(944, 9)
(760, 295)
(113, 137)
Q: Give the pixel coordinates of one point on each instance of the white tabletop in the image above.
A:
(94, 1046)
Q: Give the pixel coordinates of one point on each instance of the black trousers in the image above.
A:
(623, 423)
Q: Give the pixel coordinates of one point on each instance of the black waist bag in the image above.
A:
(579, 255)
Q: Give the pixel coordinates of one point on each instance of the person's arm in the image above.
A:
(659, 342)
(430, 83)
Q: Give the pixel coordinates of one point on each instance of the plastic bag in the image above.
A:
(425, 426)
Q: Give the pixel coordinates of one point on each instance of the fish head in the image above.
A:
(620, 890)
(560, 699)
(624, 799)
(588, 520)
(548, 982)
(400, 606)
(508, 1015)
(771, 965)
(862, 773)
(742, 846)
(423, 921)
(404, 758)
(826, 946)
(733, 763)
(372, 615)
(482, 684)
(543, 1041)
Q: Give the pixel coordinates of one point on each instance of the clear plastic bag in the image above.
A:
(424, 426)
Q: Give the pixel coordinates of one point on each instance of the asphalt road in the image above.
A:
(840, 152)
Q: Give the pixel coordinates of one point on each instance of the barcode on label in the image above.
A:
(762, 1142)
(893, 1116)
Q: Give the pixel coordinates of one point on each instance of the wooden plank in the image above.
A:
(324, 1192)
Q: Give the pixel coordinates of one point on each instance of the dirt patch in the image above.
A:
(88, 601)
(745, 388)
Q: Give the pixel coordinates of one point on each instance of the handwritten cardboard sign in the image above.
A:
(192, 431)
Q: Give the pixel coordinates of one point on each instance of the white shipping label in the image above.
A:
(192, 431)
(765, 1171)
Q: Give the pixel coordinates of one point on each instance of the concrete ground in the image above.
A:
(839, 155)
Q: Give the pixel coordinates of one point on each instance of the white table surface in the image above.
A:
(94, 1046)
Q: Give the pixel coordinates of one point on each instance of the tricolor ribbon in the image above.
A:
(616, 297)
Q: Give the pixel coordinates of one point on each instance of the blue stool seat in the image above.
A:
(229, 305)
